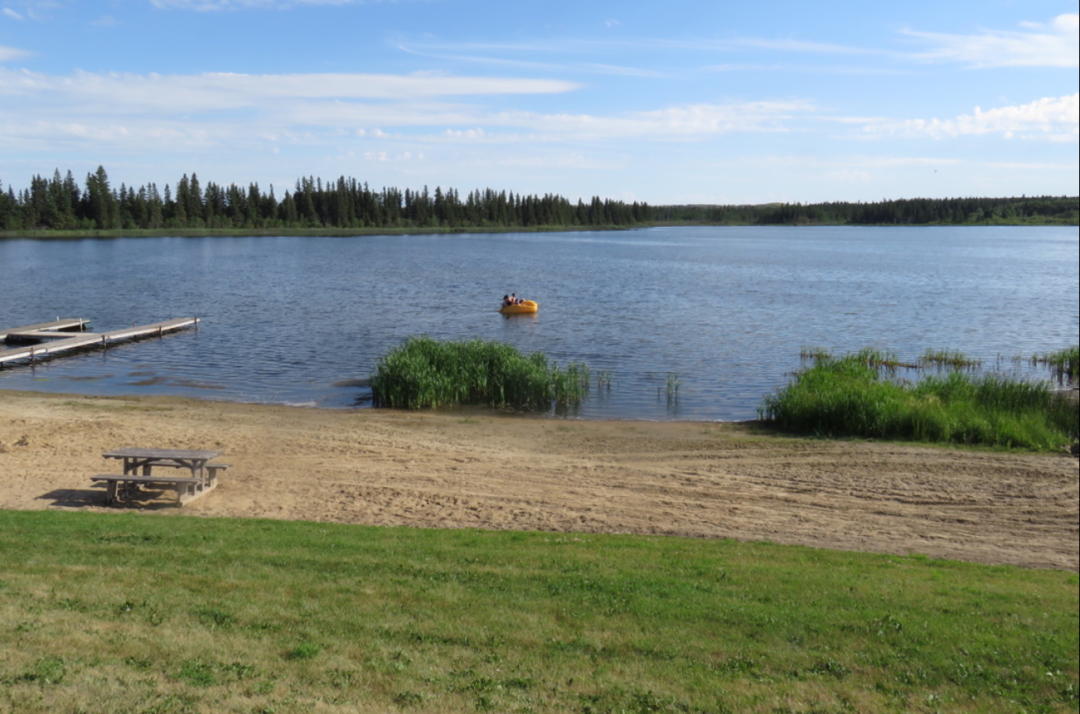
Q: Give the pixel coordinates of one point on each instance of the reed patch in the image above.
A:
(861, 395)
(427, 373)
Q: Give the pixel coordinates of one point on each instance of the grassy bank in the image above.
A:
(127, 613)
(858, 395)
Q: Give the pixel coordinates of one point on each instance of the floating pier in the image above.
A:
(57, 327)
(50, 338)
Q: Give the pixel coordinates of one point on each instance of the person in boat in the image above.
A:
(506, 301)
(515, 300)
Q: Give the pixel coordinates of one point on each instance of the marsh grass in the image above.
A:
(673, 385)
(948, 359)
(427, 373)
(812, 353)
(858, 395)
(121, 614)
(1064, 364)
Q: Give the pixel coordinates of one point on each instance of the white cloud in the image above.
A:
(799, 46)
(1050, 118)
(698, 119)
(208, 92)
(519, 64)
(8, 12)
(9, 54)
(849, 176)
(217, 108)
(1054, 44)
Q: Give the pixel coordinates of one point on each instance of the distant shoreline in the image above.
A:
(405, 231)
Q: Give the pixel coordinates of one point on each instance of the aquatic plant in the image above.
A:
(673, 387)
(856, 395)
(570, 386)
(814, 353)
(1064, 363)
(950, 359)
(426, 373)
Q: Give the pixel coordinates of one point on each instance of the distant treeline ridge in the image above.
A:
(61, 204)
(1058, 210)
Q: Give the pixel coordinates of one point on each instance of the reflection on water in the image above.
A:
(727, 311)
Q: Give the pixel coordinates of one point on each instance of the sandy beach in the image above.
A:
(477, 470)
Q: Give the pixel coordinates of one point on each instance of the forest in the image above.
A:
(60, 204)
(63, 205)
(1042, 210)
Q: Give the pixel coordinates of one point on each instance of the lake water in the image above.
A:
(726, 310)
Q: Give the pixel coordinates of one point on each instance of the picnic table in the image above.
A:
(139, 465)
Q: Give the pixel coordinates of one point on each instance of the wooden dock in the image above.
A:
(51, 338)
(57, 326)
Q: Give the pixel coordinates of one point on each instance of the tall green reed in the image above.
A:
(1065, 363)
(859, 395)
(948, 359)
(427, 373)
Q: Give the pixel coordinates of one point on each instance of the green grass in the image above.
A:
(425, 373)
(129, 613)
(858, 395)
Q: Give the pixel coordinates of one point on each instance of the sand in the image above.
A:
(478, 470)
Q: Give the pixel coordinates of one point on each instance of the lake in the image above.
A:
(722, 311)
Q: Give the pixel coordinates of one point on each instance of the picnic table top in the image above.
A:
(178, 454)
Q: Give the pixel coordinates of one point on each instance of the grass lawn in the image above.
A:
(162, 614)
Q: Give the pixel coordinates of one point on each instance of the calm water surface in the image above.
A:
(726, 310)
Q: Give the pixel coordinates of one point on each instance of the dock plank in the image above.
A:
(23, 336)
(94, 339)
(72, 323)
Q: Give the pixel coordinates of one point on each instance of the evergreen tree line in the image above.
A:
(61, 204)
(918, 211)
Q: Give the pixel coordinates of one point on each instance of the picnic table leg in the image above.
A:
(110, 498)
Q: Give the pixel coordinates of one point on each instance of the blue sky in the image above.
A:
(683, 101)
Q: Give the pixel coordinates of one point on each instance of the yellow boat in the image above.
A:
(526, 307)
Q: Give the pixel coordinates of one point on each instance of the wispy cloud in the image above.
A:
(10, 54)
(214, 91)
(1049, 118)
(131, 113)
(1053, 44)
(796, 46)
(534, 65)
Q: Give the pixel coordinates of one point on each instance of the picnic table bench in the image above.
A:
(139, 467)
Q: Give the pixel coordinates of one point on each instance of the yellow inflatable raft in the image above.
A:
(524, 308)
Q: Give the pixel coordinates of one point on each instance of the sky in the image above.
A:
(681, 101)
